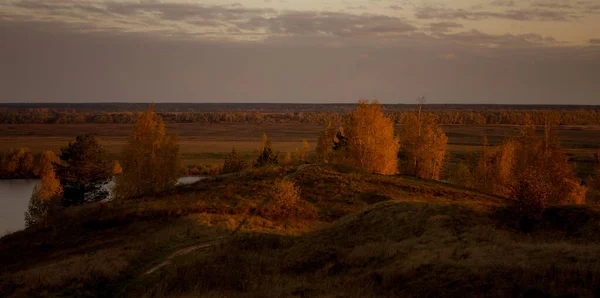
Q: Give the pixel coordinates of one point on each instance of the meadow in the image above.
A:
(208, 144)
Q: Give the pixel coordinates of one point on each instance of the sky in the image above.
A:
(301, 51)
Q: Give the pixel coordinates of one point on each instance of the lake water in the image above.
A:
(14, 198)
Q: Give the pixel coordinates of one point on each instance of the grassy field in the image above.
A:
(373, 236)
(208, 144)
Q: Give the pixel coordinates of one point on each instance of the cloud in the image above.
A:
(444, 27)
(525, 14)
(395, 7)
(553, 4)
(475, 37)
(361, 7)
(230, 22)
(449, 56)
(504, 3)
(595, 41)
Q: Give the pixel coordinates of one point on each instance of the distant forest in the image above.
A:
(67, 113)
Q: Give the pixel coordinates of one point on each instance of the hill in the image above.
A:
(353, 234)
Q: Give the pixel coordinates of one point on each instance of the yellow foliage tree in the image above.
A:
(324, 149)
(423, 147)
(303, 153)
(593, 183)
(287, 159)
(117, 168)
(46, 195)
(370, 141)
(151, 160)
(541, 159)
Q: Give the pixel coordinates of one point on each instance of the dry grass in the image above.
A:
(373, 235)
(394, 249)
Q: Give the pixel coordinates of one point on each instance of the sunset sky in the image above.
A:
(450, 51)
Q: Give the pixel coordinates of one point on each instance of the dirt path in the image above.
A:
(181, 252)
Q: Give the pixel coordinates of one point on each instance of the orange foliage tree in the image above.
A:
(499, 171)
(150, 160)
(370, 141)
(593, 183)
(423, 146)
(46, 195)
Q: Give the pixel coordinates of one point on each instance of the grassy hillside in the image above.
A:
(355, 235)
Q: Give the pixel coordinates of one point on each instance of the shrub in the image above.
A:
(285, 202)
(233, 163)
(531, 191)
(266, 156)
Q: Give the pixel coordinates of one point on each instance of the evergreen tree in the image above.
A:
(266, 156)
(83, 171)
(233, 163)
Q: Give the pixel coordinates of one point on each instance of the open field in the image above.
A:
(208, 144)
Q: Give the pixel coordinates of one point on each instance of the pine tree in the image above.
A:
(151, 160)
(83, 171)
(233, 163)
(370, 141)
(266, 156)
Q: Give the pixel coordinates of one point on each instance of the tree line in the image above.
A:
(532, 170)
(442, 117)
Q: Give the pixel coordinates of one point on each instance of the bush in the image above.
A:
(267, 156)
(233, 163)
(531, 192)
(286, 203)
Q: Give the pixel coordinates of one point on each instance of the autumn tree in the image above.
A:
(370, 141)
(117, 169)
(324, 149)
(151, 160)
(233, 163)
(266, 155)
(303, 152)
(422, 146)
(593, 183)
(46, 195)
(498, 170)
(18, 163)
(530, 189)
(83, 171)
(287, 159)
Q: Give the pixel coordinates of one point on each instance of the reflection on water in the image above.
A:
(15, 194)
